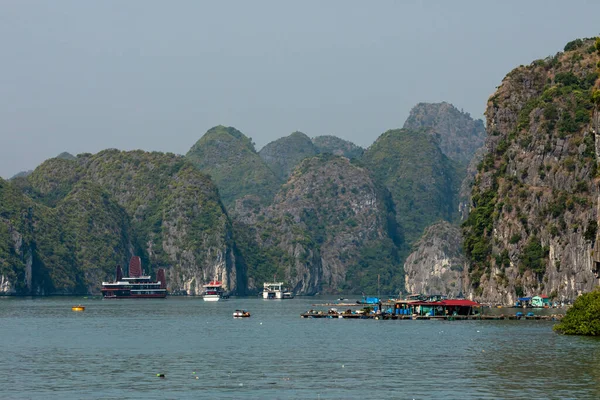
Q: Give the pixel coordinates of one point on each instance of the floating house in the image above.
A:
(439, 308)
(523, 302)
(540, 301)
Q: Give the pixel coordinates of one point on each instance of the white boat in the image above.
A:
(275, 291)
(213, 291)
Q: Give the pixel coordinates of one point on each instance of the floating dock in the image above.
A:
(556, 317)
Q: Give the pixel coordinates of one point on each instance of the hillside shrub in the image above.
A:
(533, 257)
(596, 96)
(566, 78)
(573, 45)
(590, 232)
(584, 317)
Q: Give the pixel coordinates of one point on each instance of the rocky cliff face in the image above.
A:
(36, 252)
(458, 134)
(437, 261)
(461, 138)
(464, 193)
(328, 229)
(101, 209)
(284, 154)
(437, 264)
(423, 182)
(230, 159)
(533, 224)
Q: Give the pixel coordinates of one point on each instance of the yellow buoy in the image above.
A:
(78, 308)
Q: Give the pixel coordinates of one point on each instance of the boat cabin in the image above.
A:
(273, 290)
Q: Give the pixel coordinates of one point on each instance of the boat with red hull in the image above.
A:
(137, 285)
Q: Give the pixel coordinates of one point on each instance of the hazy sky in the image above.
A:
(82, 76)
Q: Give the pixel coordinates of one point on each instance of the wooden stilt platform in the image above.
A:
(556, 317)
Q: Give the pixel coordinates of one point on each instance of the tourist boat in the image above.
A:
(137, 285)
(275, 291)
(241, 314)
(78, 308)
(213, 291)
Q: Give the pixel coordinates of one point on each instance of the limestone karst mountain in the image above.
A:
(282, 155)
(71, 221)
(230, 159)
(533, 226)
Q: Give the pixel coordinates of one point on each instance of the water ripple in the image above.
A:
(115, 349)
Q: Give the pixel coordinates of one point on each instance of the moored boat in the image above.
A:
(137, 285)
(241, 314)
(275, 291)
(213, 291)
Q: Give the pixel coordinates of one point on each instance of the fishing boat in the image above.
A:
(213, 291)
(241, 314)
(137, 285)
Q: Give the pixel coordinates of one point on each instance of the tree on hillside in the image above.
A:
(584, 317)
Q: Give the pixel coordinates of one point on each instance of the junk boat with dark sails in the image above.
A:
(137, 285)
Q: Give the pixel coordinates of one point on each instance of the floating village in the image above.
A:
(413, 307)
(437, 307)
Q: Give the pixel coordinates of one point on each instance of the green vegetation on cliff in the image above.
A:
(423, 182)
(12, 206)
(330, 228)
(230, 159)
(282, 155)
(36, 254)
(100, 228)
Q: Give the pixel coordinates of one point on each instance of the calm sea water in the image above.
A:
(116, 347)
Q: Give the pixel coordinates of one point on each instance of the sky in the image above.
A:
(83, 76)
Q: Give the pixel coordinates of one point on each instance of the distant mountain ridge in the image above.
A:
(322, 214)
(229, 157)
(458, 134)
(339, 147)
(282, 155)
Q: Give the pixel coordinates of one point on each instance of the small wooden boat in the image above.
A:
(78, 308)
(241, 314)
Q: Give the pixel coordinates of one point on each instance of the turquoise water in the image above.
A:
(116, 347)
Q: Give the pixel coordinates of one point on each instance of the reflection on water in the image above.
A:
(116, 347)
